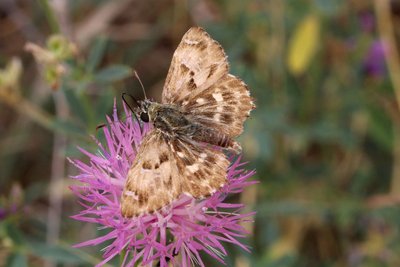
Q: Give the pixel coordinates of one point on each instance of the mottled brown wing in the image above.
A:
(150, 182)
(163, 170)
(224, 106)
(202, 168)
(199, 82)
(198, 62)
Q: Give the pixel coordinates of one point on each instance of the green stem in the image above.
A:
(122, 256)
(50, 16)
(83, 255)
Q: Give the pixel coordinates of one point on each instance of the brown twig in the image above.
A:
(26, 108)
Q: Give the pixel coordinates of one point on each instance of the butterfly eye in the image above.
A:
(144, 117)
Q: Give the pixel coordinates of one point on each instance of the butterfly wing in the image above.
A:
(199, 82)
(198, 62)
(202, 168)
(163, 170)
(223, 106)
(149, 184)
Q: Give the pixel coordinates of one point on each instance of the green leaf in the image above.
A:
(16, 260)
(67, 127)
(96, 54)
(328, 7)
(380, 129)
(14, 233)
(113, 73)
(77, 105)
(54, 253)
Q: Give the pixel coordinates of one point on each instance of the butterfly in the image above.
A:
(203, 109)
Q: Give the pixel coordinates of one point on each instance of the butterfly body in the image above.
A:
(173, 123)
(203, 109)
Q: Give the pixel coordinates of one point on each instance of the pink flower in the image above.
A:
(176, 234)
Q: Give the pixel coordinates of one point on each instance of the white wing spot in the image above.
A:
(200, 101)
(188, 194)
(131, 194)
(191, 42)
(237, 94)
(220, 108)
(193, 168)
(218, 97)
(202, 157)
(217, 117)
(181, 155)
(205, 183)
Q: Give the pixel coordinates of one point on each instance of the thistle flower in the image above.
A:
(175, 235)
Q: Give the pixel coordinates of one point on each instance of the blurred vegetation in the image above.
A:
(324, 139)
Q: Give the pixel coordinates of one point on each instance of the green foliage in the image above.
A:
(112, 73)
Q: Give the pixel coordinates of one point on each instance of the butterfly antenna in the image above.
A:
(137, 77)
(102, 125)
(129, 106)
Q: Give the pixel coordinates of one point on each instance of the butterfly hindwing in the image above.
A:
(224, 106)
(203, 168)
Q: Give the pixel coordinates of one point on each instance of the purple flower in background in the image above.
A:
(12, 203)
(3, 213)
(367, 21)
(374, 62)
(174, 235)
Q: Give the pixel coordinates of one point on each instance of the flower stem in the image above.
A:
(26, 108)
(50, 16)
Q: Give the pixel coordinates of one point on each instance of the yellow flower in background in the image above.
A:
(303, 45)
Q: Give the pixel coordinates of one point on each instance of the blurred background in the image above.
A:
(324, 139)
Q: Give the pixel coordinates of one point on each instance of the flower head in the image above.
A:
(176, 234)
(374, 61)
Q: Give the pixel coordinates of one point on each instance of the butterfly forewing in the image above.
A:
(149, 184)
(198, 62)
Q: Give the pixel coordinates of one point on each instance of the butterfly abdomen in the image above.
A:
(213, 137)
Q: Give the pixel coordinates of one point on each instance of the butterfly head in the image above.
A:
(146, 110)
